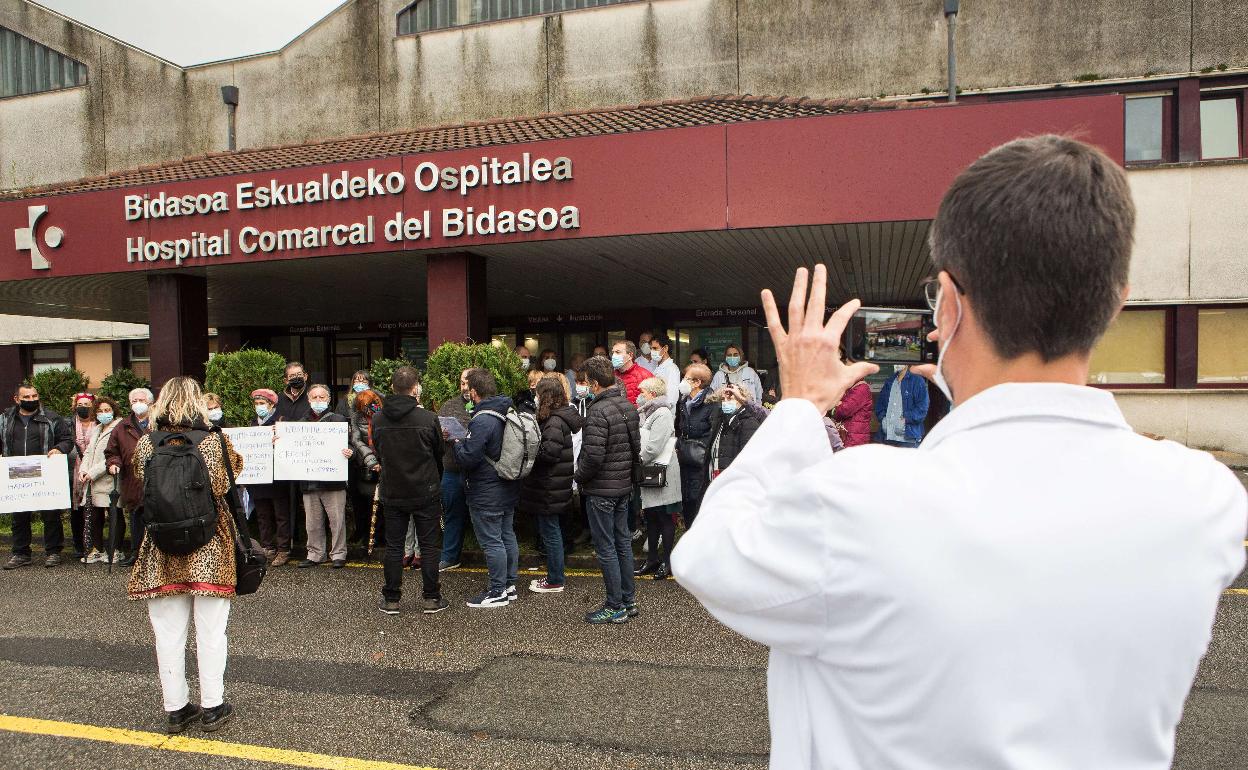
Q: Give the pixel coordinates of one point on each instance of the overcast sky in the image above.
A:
(196, 31)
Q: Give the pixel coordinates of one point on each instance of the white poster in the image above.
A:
(310, 451)
(256, 447)
(34, 483)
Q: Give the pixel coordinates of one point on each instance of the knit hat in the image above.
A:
(264, 393)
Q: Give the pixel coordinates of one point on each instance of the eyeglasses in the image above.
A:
(931, 289)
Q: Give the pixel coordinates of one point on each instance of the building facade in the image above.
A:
(669, 236)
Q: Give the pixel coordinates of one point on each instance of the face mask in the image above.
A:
(104, 417)
(685, 387)
(549, 364)
(262, 411)
(139, 408)
(319, 406)
(641, 400)
(582, 391)
(296, 383)
(729, 407)
(83, 412)
(733, 361)
(360, 387)
(214, 414)
(524, 364)
(939, 378)
(617, 360)
(899, 368)
(467, 396)
(30, 405)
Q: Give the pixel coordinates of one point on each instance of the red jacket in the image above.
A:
(854, 412)
(632, 379)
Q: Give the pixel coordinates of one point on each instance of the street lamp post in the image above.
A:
(951, 18)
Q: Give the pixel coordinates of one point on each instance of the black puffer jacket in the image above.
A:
(548, 489)
(609, 446)
(694, 419)
(733, 433)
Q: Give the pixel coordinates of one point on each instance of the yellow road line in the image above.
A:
(183, 744)
(1238, 591)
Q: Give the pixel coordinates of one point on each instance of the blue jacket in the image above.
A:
(914, 405)
(486, 491)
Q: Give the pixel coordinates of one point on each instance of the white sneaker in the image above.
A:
(542, 587)
(96, 557)
(512, 594)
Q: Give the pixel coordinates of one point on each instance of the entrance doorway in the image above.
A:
(352, 354)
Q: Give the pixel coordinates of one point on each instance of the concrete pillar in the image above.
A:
(456, 292)
(1188, 108)
(14, 366)
(177, 317)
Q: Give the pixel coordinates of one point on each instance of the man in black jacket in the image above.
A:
(30, 429)
(407, 439)
(610, 445)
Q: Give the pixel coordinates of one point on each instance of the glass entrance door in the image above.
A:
(352, 354)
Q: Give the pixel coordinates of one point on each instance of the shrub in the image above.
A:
(382, 371)
(57, 388)
(234, 375)
(118, 385)
(441, 380)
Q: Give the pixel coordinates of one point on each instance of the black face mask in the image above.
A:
(297, 382)
(83, 412)
(30, 405)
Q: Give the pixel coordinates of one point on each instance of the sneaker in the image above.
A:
(444, 565)
(434, 606)
(52, 560)
(637, 533)
(183, 718)
(607, 615)
(17, 561)
(488, 599)
(415, 563)
(216, 717)
(631, 609)
(512, 593)
(407, 562)
(543, 587)
(388, 607)
(308, 563)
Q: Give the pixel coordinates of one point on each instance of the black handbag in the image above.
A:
(691, 451)
(251, 563)
(653, 476)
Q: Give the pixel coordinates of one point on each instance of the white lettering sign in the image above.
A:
(34, 483)
(310, 451)
(256, 446)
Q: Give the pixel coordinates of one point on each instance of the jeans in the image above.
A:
(53, 532)
(905, 444)
(692, 487)
(497, 535)
(171, 617)
(552, 537)
(428, 520)
(613, 544)
(455, 512)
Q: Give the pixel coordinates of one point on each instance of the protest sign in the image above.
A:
(310, 451)
(256, 447)
(34, 483)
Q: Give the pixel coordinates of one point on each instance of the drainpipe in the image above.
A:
(951, 17)
(229, 94)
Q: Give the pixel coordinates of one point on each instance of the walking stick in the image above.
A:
(372, 524)
(112, 524)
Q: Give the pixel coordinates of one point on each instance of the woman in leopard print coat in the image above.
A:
(199, 583)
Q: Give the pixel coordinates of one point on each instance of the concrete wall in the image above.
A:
(1204, 419)
(94, 359)
(1191, 239)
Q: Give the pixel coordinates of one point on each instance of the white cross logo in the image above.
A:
(24, 237)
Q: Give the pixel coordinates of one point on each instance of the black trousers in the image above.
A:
(77, 519)
(96, 518)
(692, 487)
(273, 515)
(428, 536)
(659, 524)
(53, 532)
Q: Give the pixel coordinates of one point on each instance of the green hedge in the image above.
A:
(441, 380)
(57, 388)
(382, 371)
(118, 385)
(234, 375)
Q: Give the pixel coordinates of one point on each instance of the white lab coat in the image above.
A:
(670, 373)
(1032, 588)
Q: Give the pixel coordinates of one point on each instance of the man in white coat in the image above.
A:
(1034, 586)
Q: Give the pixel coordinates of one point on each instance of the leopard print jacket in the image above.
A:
(208, 571)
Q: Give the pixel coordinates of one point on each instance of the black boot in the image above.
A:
(647, 569)
(662, 573)
(216, 717)
(183, 718)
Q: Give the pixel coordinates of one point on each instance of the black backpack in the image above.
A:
(179, 512)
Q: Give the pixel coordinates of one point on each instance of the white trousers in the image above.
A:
(171, 618)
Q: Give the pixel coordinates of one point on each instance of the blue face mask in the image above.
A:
(104, 417)
(733, 361)
(729, 407)
(320, 406)
(262, 411)
(582, 391)
(360, 387)
(617, 360)
(640, 400)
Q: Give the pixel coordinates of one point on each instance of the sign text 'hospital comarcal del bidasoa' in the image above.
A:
(427, 177)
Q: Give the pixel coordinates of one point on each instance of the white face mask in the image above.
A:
(139, 408)
(549, 364)
(685, 387)
(939, 377)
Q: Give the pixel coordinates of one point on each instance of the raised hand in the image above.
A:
(808, 351)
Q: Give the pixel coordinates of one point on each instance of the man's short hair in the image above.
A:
(599, 369)
(483, 382)
(24, 386)
(317, 386)
(664, 342)
(294, 365)
(404, 379)
(1038, 234)
(628, 346)
(130, 395)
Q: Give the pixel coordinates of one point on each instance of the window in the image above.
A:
(1219, 128)
(425, 15)
(47, 357)
(1133, 350)
(1144, 128)
(28, 68)
(1221, 356)
(139, 356)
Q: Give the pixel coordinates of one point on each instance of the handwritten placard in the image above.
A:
(310, 451)
(256, 447)
(34, 483)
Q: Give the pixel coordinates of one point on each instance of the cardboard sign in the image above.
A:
(34, 483)
(310, 451)
(256, 447)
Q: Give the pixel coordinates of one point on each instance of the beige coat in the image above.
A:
(94, 465)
